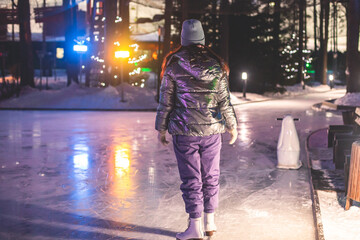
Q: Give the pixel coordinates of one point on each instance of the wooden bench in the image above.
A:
(353, 189)
(352, 168)
(340, 147)
(333, 129)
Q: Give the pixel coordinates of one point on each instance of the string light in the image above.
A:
(290, 59)
(118, 19)
(134, 60)
(135, 71)
(135, 46)
(97, 59)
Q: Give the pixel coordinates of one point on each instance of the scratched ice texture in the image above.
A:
(104, 175)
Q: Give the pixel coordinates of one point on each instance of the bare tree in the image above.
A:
(353, 21)
(277, 43)
(302, 6)
(167, 27)
(324, 36)
(26, 60)
(110, 9)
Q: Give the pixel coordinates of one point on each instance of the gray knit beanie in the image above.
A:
(192, 33)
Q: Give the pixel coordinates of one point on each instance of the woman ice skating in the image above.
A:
(195, 109)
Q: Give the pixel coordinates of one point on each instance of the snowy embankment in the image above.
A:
(350, 99)
(295, 90)
(338, 223)
(78, 97)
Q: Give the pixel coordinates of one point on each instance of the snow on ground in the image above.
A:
(237, 98)
(338, 223)
(78, 97)
(329, 185)
(297, 89)
(350, 99)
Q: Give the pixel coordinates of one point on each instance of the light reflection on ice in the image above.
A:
(81, 156)
(329, 114)
(151, 177)
(123, 183)
(309, 112)
(244, 132)
(81, 173)
(243, 127)
(36, 129)
(122, 160)
(135, 145)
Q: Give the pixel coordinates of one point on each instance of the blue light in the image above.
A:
(81, 156)
(80, 48)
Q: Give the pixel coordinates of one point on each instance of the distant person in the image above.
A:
(195, 108)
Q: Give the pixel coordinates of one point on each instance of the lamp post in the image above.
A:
(122, 54)
(244, 77)
(81, 49)
(331, 79)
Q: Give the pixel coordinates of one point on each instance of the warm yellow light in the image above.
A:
(59, 53)
(122, 54)
(155, 55)
(122, 161)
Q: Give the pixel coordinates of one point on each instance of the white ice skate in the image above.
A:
(209, 223)
(193, 232)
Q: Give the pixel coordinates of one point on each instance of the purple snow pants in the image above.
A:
(198, 161)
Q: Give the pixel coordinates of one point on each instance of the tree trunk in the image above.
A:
(318, 71)
(305, 25)
(324, 36)
(71, 58)
(353, 72)
(224, 38)
(26, 60)
(185, 10)
(125, 16)
(90, 25)
(276, 36)
(110, 9)
(315, 26)
(125, 35)
(301, 43)
(325, 43)
(167, 27)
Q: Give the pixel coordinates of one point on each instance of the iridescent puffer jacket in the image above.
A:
(194, 95)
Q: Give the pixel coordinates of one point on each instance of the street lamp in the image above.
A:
(122, 54)
(244, 77)
(331, 79)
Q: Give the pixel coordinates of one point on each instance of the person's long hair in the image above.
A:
(222, 63)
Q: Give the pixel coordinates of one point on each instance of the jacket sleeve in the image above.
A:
(166, 102)
(225, 106)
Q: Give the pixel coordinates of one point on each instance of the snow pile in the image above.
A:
(350, 99)
(237, 98)
(78, 97)
(338, 223)
(297, 89)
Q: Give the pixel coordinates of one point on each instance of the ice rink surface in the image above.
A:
(104, 175)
